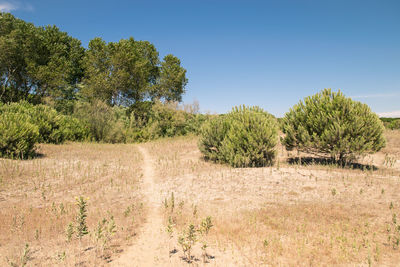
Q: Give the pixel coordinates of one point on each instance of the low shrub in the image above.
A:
(245, 137)
(102, 121)
(17, 136)
(53, 127)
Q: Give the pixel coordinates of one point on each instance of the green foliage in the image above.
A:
(155, 120)
(53, 127)
(172, 80)
(391, 123)
(102, 121)
(37, 62)
(73, 129)
(329, 124)
(187, 240)
(245, 137)
(129, 71)
(81, 228)
(69, 231)
(17, 135)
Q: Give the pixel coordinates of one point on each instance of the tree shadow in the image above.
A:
(305, 161)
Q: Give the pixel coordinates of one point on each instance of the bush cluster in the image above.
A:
(245, 137)
(142, 121)
(23, 125)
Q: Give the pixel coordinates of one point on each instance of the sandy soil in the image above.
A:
(152, 246)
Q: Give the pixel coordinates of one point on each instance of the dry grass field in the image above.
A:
(38, 201)
(290, 214)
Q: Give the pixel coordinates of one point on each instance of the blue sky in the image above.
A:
(265, 53)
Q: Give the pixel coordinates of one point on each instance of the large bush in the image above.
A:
(245, 137)
(17, 135)
(331, 125)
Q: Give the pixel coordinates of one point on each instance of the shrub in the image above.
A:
(103, 121)
(394, 125)
(246, 137)
(17, 135)
(328, 124)
(53, 127)
(73, 129)
(48, 121)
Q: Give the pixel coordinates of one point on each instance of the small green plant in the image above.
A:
(333, 191)
(81, 228)
(187, 240)
(61, 256)
(61, 209)
(25, 257)
(172, 202)
(389, 161)
(104, 231)
(393, 231)
(170, 232)
(69, 231)
(204, 229)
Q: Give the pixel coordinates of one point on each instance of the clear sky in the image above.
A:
(269, 53)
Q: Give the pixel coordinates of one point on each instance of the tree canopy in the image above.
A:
(43, 62)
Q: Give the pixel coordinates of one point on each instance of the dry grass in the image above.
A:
(288, 214)
(37, 202)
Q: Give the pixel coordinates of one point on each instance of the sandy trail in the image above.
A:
(152, 246)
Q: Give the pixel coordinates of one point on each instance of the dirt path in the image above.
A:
(151, 248)
(148, 248)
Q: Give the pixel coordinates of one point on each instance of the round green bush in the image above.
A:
(17, 136)
(328, 124)
(245, 137)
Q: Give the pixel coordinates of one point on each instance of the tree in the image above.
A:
(172, 80)
(129, 71)
(328, 124)
(37, 62)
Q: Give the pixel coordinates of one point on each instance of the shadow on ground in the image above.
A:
(305, 161)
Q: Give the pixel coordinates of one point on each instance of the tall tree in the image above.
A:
(37, 61)
(129, 71)
(172, 79)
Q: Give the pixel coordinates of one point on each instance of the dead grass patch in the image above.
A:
(37, 202)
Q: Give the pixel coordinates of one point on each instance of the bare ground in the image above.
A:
(284, 215)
